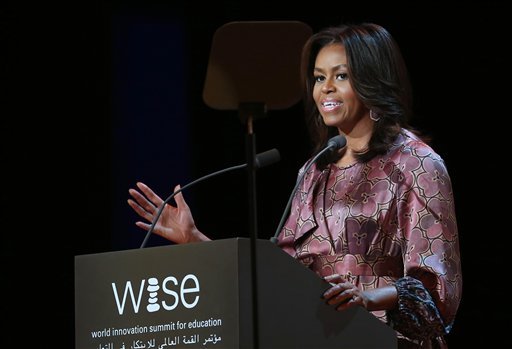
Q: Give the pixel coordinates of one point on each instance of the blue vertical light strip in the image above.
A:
(149, 123)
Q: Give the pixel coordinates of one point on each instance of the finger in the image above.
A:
(335, 279)
(180, 200)
(150, 194)
(341, 297)
(142, 201)
(355, 299)
(351, 302)
(140, 211)
(143, 225)
(337, 289)
(332, 277)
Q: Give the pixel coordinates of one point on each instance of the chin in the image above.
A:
(331, 121)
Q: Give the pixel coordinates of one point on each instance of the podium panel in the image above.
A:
(200, 296)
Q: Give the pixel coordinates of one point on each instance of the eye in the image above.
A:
(342, 76)
(319, 78)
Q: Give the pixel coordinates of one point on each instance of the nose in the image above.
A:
(328, 86)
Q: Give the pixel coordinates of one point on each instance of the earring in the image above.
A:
(374, 116)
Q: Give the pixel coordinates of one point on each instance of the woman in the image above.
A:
(377, 218)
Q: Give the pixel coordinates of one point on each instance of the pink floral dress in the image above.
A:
(388, 221)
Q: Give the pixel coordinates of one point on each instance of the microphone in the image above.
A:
(335, 143)
(266, 158)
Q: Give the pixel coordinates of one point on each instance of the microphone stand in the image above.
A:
(243, 57)
(248, 112)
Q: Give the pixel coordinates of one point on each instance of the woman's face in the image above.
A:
(332, 92)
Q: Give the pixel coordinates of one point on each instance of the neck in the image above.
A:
(358, 136)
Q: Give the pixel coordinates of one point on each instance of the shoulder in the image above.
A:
(409, 159)
(409, 146)
(413, 162)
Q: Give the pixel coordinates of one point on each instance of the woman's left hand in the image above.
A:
(343, 294)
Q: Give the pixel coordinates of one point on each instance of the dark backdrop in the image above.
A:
(99, 95)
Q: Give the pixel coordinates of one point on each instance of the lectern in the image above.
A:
(199, 296)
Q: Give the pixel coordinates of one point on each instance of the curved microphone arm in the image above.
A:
(262, 159)
(162, 206)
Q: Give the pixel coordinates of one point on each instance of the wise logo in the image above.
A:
(167, 295)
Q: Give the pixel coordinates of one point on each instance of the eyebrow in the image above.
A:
(336, 67)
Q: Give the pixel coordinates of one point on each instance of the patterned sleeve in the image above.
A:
(429, 294)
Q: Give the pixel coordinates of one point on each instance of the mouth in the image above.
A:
(330, 105)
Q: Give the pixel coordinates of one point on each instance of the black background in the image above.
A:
(59, 193)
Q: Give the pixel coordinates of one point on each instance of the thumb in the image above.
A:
(180, 201)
